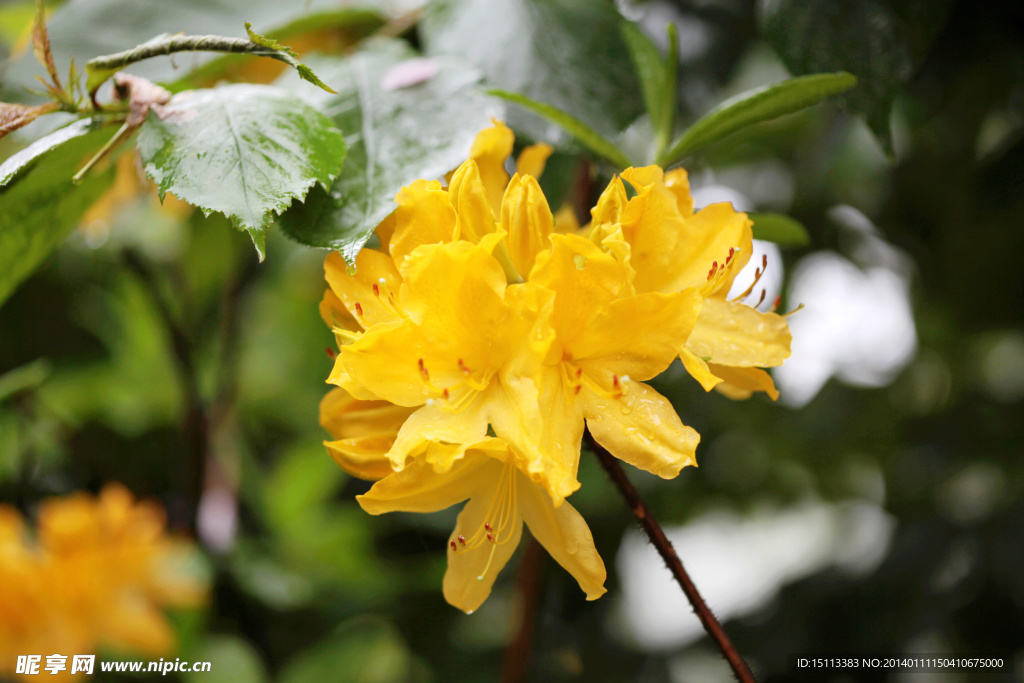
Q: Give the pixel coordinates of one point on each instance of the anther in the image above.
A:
(579, 372)
(778, 300)
(359, 310)
(462, 366)
(423, 370)
(490, 537)
(330, 352)
(446, 395)
(732, 250)
(376, 290)
(764, 261)
(760, 301)
(576, 391)
(462, 539)
(454, 547)
(615, 382)
(488, 526)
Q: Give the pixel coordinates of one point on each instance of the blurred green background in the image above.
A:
(877, 508)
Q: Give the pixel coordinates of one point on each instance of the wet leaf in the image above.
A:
(755, 106)
(395, 136)
(39, 205)
(566, 53)
(242, 150)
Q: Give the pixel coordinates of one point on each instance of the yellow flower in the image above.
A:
(489, 527)
(671, 248)
(99, 574)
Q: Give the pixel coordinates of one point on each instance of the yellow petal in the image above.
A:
(371, 266)
(642, 429)
(585, 279)
(532, 159)
(471, 572)
(643, 177)
(526, 218)
(490, 150)
(436, 422)
(731, 333)
(474, 215)
(740, 383)
(543, 424)
(346, 417)
(418, 488)
(637, 336)
(708, 235)
(610, 205)
(678, 183)
(565, 220)
(698, 369)
(565, 535)
(338, 319)
(364, 457)
(454, 336)
(424, 216)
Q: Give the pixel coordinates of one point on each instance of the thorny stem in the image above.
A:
(668, 554)
(517, 654)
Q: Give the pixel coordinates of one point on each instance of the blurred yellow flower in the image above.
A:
(97, 576)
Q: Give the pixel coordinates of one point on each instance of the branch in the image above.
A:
(99, 69)
(195, 428)
(517, 654)
(668, 554)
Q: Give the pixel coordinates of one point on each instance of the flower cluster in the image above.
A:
(484, 334)
(97, 576)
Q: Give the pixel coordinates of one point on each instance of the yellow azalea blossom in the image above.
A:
(99, 574)
(671, 248)
(489, 527)
(609, 340)
(447, 335)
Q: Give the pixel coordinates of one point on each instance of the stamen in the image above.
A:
(732, 250)
(376, 290)
(446, 395)
(488, 565)
(462, 539)
(454, 547)
(423, 370)
(760, 301)
(359, 310)
(775, 304)
(488, 526)
(490, 537)
(462, 366)
(576, 391)
(330, 352)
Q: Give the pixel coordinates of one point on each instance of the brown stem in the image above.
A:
(195, 422)
(668, 554)
(517, 654)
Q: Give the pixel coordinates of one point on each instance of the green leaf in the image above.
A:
(783, 230)
(395, 137)
(881, 42)
(755, 106)
(288, 55)
(565, 52)
(39, 205)
(581, 131)
(657, 78)
(242, 150)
